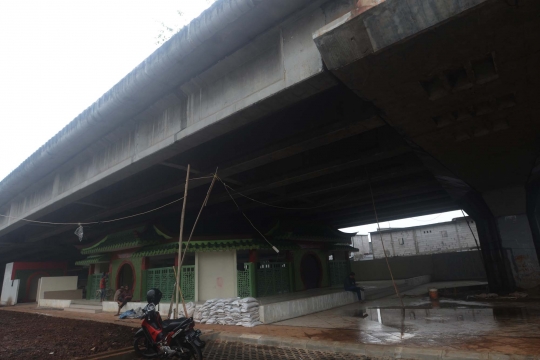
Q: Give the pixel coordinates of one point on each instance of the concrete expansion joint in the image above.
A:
(369, 350)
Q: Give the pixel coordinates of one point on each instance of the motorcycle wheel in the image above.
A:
(143, 348)
(194, 353)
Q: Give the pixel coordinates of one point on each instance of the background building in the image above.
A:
(456, 235)
(362, 243)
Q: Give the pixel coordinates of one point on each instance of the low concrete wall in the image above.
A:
(10, 288)
(112, 306)
(54, 303)
(441, 267)
(56, 283)
(290, 309)
(64, 294)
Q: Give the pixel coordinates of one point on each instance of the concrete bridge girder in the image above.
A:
(456, 80)
(274, 69)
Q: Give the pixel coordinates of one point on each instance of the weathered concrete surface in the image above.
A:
(54, 303)
(364, 31)
(517, 241)
(270, 313)
(441, 267)
(181, 96)
(458, 80)
(291, 306)
(63, 294)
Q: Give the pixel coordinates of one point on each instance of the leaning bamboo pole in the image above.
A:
(180, 244)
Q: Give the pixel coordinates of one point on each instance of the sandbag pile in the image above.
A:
(190, 307)
(234, 311)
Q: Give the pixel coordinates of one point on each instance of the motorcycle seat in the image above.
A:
(169, 325)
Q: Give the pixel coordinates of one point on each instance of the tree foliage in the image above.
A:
(166, 31)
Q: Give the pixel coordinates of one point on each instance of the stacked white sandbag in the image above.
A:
(233, 311)
(190, 307)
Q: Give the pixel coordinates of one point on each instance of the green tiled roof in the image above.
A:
(127, 239)
(307, 232)
(93, 259)
(344, 247)
(213, 245)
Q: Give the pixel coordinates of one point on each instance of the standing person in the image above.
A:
(350, 285)
(103, 286)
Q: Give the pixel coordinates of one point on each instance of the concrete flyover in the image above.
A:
(302, 105)
(458, 80)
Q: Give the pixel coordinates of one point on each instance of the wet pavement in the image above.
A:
(509, 327)
(506, 327)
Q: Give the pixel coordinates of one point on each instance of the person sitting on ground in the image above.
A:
(350, 285)
(119, 298)
(128, 294)
(123, 298)
(117, 293)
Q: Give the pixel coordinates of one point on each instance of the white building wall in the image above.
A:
(215, 275)
(377, 245)
(429, 239)
(56, 283)
(361, 242)
(10, 288)
(403, 243)
(465, 236)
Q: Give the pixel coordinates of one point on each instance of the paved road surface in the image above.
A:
(216, 350)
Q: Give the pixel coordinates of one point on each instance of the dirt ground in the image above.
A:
(32, 336)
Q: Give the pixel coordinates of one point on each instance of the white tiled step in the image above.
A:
(88, 307)
(88, 311)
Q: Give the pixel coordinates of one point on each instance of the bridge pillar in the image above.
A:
(533, 213)
(496, 263)
(513, 223)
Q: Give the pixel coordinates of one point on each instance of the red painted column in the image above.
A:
(91, 269)
(253, 258)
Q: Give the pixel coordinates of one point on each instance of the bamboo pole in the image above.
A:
(180, 240)
(382, 242)
(172, 297)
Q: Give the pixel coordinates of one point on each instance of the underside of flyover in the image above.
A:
(419, 118)
(313, 162)
(465, 95)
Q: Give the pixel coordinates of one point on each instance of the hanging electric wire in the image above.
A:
(92, 222)
(285, 207)
(249, 221)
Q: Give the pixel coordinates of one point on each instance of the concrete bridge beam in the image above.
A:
(433, 68)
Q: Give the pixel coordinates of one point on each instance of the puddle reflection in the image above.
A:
(442, 316)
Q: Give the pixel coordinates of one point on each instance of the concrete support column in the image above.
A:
(533, 212)
(496, 264)
(509, 207)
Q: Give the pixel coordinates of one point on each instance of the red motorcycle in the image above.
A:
(159, 338)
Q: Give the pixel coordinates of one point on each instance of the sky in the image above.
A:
(59, 56)
(415, 221)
